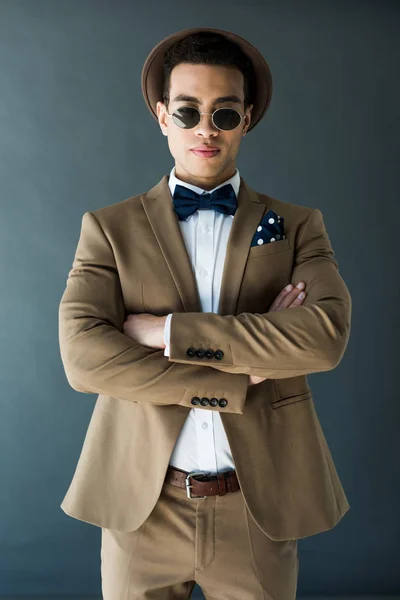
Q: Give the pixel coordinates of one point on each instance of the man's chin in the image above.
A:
(200, 168)
(200, 165)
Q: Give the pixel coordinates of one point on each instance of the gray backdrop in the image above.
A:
(75, 135)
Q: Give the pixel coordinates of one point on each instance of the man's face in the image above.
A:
(207, 83)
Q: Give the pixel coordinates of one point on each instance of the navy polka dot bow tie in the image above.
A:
(186, 201)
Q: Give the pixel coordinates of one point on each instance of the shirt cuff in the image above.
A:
(167, 332)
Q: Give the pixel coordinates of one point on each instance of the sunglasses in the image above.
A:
(225, 119)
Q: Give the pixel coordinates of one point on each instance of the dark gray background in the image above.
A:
(76, 135)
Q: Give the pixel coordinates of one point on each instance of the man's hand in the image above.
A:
(288, 298)
(147, 329)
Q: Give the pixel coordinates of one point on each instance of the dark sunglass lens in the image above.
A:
(186, 117)
(226, 118)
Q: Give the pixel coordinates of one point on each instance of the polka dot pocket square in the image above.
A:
(269, 230)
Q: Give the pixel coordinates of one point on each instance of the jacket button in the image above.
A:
(213, 401)
(218, 354)
(195, 400)
(200, 352)
(223, 402)
(209, 353)
(191, 352)
(204, 401)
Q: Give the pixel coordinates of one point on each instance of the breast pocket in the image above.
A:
(269, 248)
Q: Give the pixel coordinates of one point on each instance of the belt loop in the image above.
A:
(221, 484)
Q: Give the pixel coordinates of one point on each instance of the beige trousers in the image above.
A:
(212, 542)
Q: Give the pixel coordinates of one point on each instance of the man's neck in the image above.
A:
(204, 183)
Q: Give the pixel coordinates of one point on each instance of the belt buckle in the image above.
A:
(189, 487)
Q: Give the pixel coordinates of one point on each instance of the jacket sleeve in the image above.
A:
(99, 358)
(280, 344)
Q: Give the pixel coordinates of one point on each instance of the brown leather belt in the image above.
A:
(199, 484)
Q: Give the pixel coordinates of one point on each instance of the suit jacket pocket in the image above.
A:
(291, 399)
(269, 248)
(291, 389)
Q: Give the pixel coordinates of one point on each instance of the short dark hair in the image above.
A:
(209, 48)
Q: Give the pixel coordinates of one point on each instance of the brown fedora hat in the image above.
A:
(153, 75)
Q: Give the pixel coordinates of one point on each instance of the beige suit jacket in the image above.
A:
(131, 258)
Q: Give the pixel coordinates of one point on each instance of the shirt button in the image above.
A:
(205, 425)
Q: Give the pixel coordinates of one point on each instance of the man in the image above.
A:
(204, 460)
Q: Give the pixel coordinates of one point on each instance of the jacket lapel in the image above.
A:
(158, 206)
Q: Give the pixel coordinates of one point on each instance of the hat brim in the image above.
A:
(152, 77)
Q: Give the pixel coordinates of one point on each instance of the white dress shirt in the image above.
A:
(202, 444)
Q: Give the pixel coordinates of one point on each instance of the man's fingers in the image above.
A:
(298, 300)
(286, 298)
(280, 297)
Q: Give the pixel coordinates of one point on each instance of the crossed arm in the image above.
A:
(99, 358)
(151, 330)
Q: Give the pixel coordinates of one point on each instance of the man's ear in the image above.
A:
(247, 118)
(162, 118)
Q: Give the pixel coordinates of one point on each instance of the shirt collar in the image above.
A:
(173, 181)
